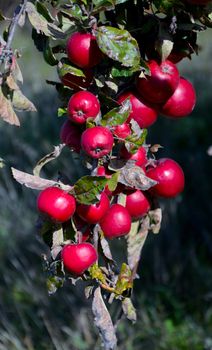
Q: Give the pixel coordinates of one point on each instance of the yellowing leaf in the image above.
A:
(6, 111)
(21, 102)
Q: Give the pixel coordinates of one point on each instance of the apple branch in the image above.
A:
(16, 17)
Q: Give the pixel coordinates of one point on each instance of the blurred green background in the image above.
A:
(173, 295)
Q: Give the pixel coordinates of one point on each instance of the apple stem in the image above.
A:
(79, 237)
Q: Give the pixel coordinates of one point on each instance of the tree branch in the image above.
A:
(14, 23)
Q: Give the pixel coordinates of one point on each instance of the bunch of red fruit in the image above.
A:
(163, 91)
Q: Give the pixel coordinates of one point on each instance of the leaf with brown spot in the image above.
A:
(134, 176)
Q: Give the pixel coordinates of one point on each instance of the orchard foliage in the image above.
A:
(116, 64)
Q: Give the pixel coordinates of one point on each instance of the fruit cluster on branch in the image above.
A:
(116, 62)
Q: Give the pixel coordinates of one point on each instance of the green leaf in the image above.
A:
(103, 5)
(168, 5)
(119, 45)
(48, 158)
(48, 54)
(88, 188)
(117, 115)
(41, 25)
(134, 142)
(61, 112)
(37, 21)
(122, 72)
(64, 67)
(43, 10)
(113, 182)
(73, 11)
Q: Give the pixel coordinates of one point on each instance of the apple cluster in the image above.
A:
(162, 91)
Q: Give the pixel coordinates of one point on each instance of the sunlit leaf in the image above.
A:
(117, 115)
(119, 45)
(88, 188)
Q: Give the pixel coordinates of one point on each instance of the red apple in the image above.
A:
(182, 102)
(94, 213)
(137, 204)
(121, 131)
(170, 178)
(56, 203)
(77, 258)
(141, 111)
(82, 50)
(70, 134)
(161, 84)
(83, 105)
(116, 222)
(97, 141)
(140, 156)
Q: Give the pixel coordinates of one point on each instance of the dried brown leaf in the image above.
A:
(31, 181)
(57, 242)
(129, 309)
(155, 219)
(6, 111)
(134, 176)
(106, 248)
(48, 158)
(103, 321)
(135, 241)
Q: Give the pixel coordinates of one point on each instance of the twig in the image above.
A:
(14, 23)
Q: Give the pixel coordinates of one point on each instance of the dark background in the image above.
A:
(174, 292)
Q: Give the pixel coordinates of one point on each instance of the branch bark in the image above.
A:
(14, 23)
